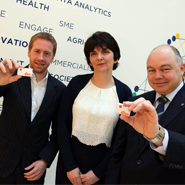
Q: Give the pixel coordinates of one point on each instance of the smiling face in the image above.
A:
(41, 55)
(164, 73)
(102, 59)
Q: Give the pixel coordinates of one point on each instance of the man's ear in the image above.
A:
(28, 53)
(52, 59)
(183, 64)
(183, 71)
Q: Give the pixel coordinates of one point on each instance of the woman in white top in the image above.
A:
(87, 120)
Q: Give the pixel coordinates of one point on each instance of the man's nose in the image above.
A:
(158, 74)
(41, 56)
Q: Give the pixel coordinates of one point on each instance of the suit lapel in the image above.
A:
(50, 93)
(118, 90)
(25, 89)
(175, 107)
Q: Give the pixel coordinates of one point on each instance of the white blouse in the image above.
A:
(94, 116)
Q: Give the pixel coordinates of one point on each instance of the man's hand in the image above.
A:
(37, 170)
(89, 178)
(7, 68)
(74, 176)
(145, 121)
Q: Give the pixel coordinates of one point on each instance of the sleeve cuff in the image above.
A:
(161, 149)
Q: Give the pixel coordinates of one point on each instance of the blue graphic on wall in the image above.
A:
(142, 87)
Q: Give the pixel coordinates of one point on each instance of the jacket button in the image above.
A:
(170, 165)
(138, 162)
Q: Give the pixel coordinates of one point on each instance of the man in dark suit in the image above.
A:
(150, 149)
(30, 106)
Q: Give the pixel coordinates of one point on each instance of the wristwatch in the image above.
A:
(159, 136)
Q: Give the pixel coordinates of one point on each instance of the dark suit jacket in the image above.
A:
(134, 162)
(20, 139)
(65, 122)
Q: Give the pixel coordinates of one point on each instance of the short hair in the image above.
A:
(45, 36)
(101, 39)
(176, 52)
(177, 55)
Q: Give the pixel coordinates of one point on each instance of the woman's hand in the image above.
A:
(74, 176)
(89, 178)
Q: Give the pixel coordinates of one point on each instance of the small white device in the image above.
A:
(121, 109)
(25, 72)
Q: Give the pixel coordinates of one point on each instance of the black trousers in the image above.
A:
(17, 177)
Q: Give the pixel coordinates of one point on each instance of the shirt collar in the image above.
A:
(172, 94)
(33, 77)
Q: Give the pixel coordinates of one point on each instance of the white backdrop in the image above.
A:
(138, 27)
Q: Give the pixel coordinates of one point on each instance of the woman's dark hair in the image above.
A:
(101, 39)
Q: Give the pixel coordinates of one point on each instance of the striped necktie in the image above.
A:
(160, 108)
